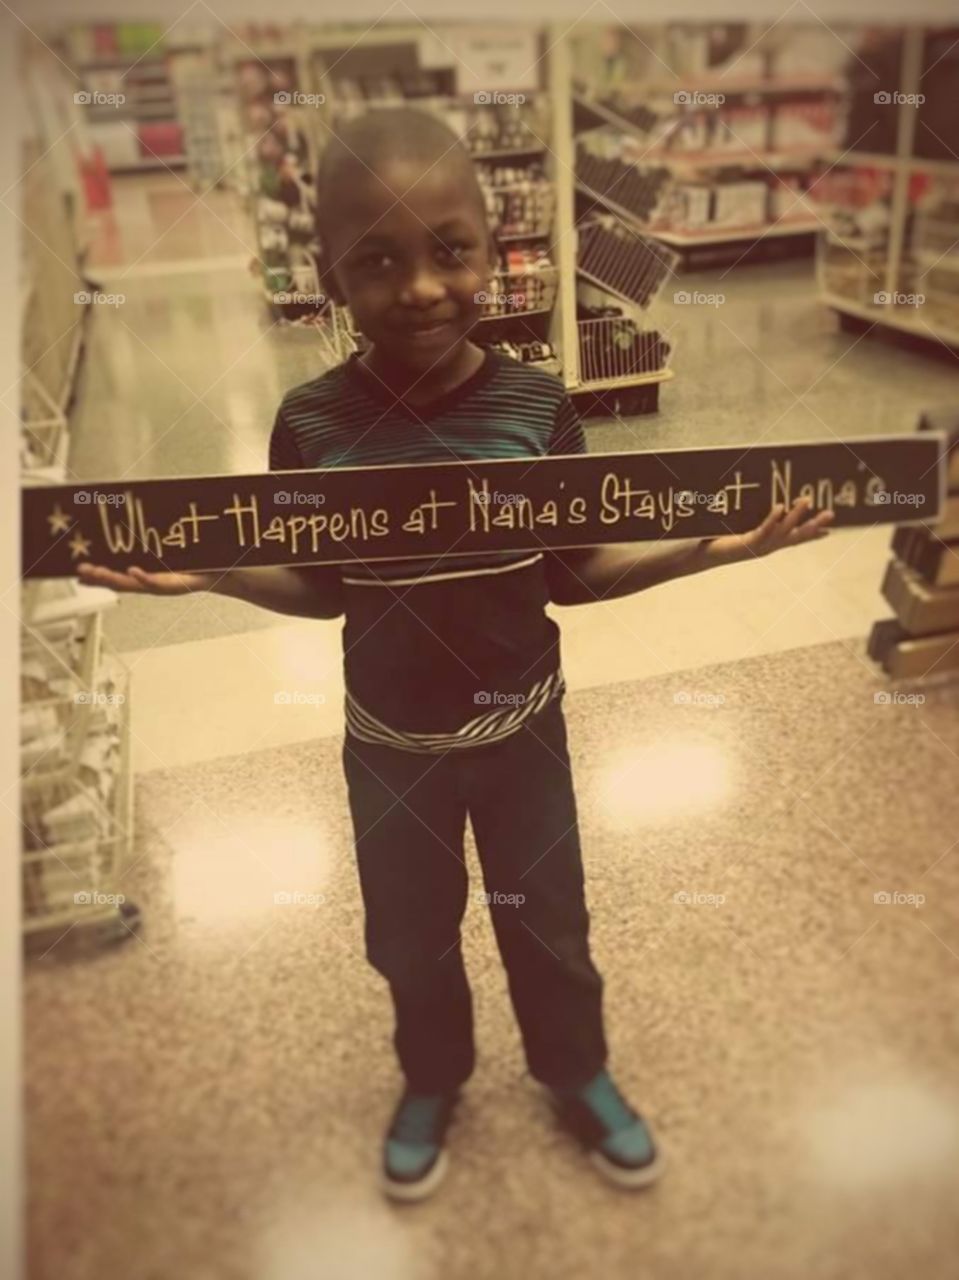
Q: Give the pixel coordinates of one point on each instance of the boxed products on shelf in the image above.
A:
(739, 204)
(806, 125)
(740, 128)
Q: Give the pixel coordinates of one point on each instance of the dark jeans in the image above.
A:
(409, 816)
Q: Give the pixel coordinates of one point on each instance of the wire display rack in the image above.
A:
(615, 349)
(616, 258)
(76, 781)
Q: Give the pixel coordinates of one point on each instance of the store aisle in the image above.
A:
(792, 1038)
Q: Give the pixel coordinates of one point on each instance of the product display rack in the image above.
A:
(76, 779)
(892, 219)
(134, 61)
(733, 174)
(279, 156)
(75, 767)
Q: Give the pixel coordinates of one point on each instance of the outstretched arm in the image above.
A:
(587, 574)
(308, 591)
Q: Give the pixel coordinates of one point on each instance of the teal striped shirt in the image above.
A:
(452, 651)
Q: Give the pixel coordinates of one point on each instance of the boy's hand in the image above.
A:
(138, 580)
(779, 529)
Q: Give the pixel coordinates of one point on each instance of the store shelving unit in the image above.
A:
(76, 778)
(730, 179)
(75, 771)
(892, 222)
(143, 131)
(277, 155)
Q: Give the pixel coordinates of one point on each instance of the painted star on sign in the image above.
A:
(79, 545)
(59, 521)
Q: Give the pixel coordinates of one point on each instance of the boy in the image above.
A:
(452, 667)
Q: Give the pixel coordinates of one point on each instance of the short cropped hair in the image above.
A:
(370, 141)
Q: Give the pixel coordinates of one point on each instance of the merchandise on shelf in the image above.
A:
(525, 280)
(519, 198)
(283, 193)
(612, 344)
(501, 126)
(163, 139)
(538, 354)
(739, 204)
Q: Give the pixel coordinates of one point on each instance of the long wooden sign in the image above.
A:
(345, 514)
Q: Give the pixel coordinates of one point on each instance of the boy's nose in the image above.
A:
(421, 289)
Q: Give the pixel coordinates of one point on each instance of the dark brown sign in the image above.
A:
(344, 514)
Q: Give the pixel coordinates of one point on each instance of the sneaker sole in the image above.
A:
(629, 1179)
(410, 1192)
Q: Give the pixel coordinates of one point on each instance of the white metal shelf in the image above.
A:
(887, 273)
(729, 235)
(891, 317)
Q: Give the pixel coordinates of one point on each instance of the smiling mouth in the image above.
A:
(427, 330)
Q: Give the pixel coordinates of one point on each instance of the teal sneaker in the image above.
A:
(617, 1138)
(414, 1162)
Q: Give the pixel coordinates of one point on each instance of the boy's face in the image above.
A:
(408, 250)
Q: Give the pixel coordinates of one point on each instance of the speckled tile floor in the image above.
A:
(206, 1102)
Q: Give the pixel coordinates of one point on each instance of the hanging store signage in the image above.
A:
(345, 514)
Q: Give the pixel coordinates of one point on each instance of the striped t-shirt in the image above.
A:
(439, 653)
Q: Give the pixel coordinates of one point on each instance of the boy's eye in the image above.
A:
(453, 253)
(375, 260)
